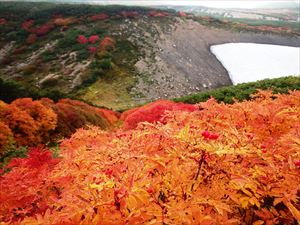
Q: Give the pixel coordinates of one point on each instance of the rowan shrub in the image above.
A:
(219, 164)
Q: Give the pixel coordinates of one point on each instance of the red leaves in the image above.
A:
(37, 157)
(182, 14)
(164, 173)
(44, 29)
(107, 44)
(23, 192)
(158, 14)
(3, 21)
(211, 136)
(101, 16)
(82, 39)
(39, 31)
(92, 49)
(27, 24)
(31, 39)
(154, 112)
(93, 39)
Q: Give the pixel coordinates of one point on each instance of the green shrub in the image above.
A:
(244, 91)
(105, 63)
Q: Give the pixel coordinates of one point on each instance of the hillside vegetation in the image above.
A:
(205, 164)
(115, 56)
(244, 91)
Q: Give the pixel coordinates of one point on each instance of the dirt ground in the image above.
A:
(183, 64)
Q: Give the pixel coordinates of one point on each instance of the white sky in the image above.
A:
(208, 3)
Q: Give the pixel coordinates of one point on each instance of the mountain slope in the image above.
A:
(150, 54)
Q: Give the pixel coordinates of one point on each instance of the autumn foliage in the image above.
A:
(72, 114)
(3, 21)
(219, 164)
(107, 43)
(82, 39)
(30, 123)
(93, 39)
(158, 14)
(153, 112)
(100, 16)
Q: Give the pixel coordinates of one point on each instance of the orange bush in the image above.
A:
(29, 121)
(5, 135)
(107, 44)
(72, 114)
(64, 21)
(220, 164)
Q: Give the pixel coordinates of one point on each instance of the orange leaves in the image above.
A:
(175, 172)
(5, 135)
(29, 121)
(106, 44)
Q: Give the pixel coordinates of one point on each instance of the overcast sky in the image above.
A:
(208, 3)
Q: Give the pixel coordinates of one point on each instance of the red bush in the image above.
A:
(107, 43)
(31, 39)
(82, 39)
(92, 49)
(129, 14)
(93, 39)
(158, 14)
(182, 14)
(154, 112)
(26, 179)
(43, 29)
(3, 21)
(101, 16)
(27, 24)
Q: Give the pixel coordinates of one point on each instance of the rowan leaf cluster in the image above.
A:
(218, 164)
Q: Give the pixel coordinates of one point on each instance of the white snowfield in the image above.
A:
(247, 62)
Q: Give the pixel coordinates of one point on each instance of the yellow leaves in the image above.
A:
(136, 199)
(220, 207)
(108, 184)
(184, 134)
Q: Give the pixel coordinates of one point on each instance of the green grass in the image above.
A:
(244, 91)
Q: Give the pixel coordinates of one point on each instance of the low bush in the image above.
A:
(243, 92)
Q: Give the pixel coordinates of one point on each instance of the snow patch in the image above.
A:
(247, 62)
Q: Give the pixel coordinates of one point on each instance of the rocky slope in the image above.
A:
(156, 54)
